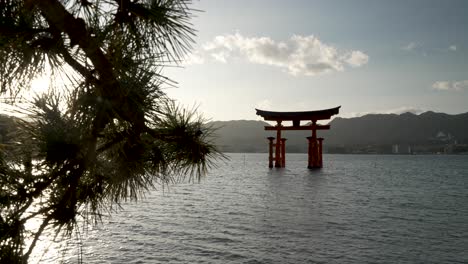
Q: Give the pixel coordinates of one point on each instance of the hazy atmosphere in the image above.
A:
(368, 56)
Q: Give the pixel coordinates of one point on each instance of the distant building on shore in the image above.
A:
(395, 149)
(401, 149)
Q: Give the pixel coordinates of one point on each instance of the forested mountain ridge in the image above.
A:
(380, 131)
(405, 128)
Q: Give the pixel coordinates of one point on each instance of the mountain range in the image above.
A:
(373, 133)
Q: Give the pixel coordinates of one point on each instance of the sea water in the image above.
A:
(357, 209)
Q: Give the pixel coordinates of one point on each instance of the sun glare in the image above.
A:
(39, 85)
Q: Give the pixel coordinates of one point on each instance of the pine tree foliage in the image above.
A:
(110, 133)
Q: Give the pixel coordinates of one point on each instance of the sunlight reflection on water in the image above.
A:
(357, 209)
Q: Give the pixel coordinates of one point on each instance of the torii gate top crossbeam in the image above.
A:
(297, 116)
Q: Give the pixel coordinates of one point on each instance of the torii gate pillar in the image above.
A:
(283, 152)
(320, 158)
(278, 151)
(270, 152)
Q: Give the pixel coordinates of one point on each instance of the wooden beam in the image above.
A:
(303, 115)
(317, 127)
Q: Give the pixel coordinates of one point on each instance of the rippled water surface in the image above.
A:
(357, 209)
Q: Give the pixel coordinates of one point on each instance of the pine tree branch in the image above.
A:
(56, 14)
(109, 88)
(36, 237)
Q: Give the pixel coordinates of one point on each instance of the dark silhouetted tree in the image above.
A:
(108, 132)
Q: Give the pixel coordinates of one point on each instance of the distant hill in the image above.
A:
(240, 135)
(377, 131)
(406, 128)
(428, 132)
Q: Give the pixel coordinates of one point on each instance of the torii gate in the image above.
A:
(315, 144)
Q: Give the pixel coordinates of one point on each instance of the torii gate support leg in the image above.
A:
(310, 160)
(283, 152)
(270, 152)
(278, 146)
(320, 158)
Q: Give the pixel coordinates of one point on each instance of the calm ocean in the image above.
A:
(357, 209)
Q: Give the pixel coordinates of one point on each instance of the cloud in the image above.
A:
(441, 86)
(405, 109)
(450, 85)
(398, 111)
(357, 58)
(193, 58)
(299, 55)
(425, 51)
(417, 48)
(410, 46)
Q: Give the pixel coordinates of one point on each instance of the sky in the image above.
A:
(369, 56)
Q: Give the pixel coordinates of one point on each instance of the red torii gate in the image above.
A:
(315, 144)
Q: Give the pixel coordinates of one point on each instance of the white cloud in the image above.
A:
(398, 111)
(410, 46)
(405, 109)
(425, 51)
(450, 85)
(461, 85)
(441, 86)
(299, 55)
(357, 59)
(220, 56)
(193, 58)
